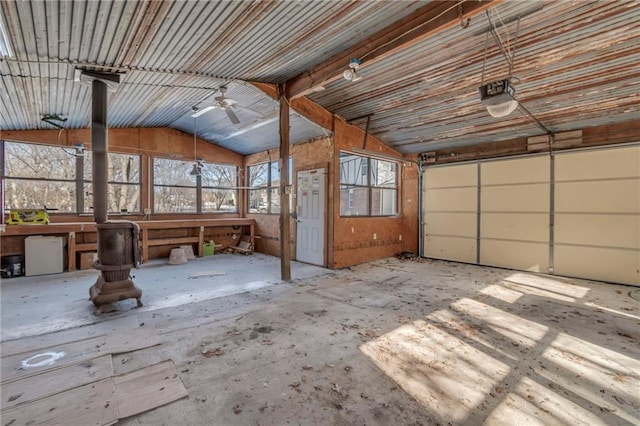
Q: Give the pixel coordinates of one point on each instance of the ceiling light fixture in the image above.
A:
(351, 73)
(499, 96)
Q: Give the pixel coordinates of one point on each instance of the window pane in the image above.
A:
(174, 200)
(219, 175)
(258, 175)
(122, 168)
(353, 169)
(219, 200)
(275, 200)
(275, 173)
(383, 173)
(33, 194)
(173, 172)
(39, 161)
(258, 201)
(354, 201)
(384, 202)
(122, 197)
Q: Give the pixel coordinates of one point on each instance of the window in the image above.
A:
(174, 188)
(264, 183)
(36, 176)
(123, 177)
(368, 187)
(219, 193)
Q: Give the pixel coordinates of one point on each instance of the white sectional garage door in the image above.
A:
(597, 214)
(451, 212)
(514, 213)
(576, 215)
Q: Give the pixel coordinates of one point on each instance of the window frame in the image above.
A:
(87, 182)
(197, 186)
(363, 177)
(269, 186)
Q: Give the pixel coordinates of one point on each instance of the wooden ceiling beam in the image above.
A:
(424, 22)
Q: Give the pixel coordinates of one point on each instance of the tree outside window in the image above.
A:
(35, 176)
(123, 175)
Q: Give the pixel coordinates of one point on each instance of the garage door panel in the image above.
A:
(451, 248)
(515, 198)
(451, 176)
(453, 224)
(451, 199)
(525, 256)
(596, 213)
(598, 164)
(610, 196)
(515, 226)
(611, 265)
(598, 230)
(522, 170)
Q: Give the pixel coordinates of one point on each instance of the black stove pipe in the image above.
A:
(99, 145)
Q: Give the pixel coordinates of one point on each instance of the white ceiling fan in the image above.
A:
(220, 102)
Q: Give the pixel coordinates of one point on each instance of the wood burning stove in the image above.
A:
(118, 252)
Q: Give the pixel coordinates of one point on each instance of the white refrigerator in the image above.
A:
(43, 255)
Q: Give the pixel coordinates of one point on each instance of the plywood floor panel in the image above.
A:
(148, 388)
(133, 339)
(55, 381)
(32, 343)
(30, 363)
(92, 404)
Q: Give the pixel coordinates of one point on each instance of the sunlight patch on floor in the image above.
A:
(530, 403)
(521, 331)
(502, 293)
(545, 287)
(615, 373)
(455, 322)
(446, 375)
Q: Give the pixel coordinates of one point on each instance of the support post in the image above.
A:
(285, 231)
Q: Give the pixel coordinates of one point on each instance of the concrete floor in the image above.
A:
(388, 342)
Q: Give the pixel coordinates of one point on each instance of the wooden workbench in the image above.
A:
(195, 228)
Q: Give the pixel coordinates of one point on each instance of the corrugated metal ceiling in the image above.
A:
(575, 66)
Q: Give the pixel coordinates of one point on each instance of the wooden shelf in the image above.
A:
(71, 230)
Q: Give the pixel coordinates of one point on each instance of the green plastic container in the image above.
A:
(208, 248)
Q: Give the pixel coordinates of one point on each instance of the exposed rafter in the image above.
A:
(428, 20)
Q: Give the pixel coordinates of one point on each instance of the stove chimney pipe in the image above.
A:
(99, 146)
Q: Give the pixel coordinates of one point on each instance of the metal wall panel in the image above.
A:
(450, 206)
(514, 212)
(597, 199)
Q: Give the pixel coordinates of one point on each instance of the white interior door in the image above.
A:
(310, 217)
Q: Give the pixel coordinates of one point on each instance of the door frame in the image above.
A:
(325, 210)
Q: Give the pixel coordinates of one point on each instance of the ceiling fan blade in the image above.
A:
(232, 116)
(203, 111)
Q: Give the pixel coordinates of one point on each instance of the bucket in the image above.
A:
(208, 248)
(13, 266)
